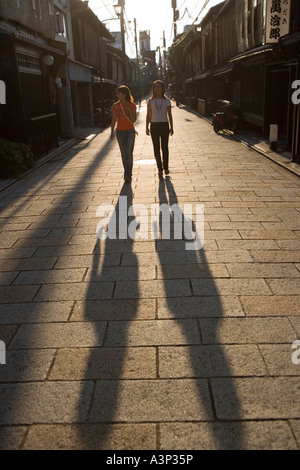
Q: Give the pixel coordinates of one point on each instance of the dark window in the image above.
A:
(253, 90)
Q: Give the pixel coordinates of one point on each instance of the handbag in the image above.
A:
(136, 132)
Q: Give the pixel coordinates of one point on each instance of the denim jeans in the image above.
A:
(160, 138)
(126, 140)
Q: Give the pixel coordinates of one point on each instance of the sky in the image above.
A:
(153, 15)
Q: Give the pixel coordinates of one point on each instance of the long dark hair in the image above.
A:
(163, 89)
(125, 91)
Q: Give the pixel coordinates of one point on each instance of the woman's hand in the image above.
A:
(112, 136)
(171, 131)
(147, 131)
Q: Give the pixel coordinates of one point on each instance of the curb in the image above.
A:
(39, 164)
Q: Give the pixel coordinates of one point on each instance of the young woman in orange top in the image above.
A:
(124, 115)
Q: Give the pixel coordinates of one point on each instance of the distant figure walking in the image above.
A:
(124, 115)
(159, 116)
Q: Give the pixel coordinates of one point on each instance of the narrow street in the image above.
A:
(143, 344)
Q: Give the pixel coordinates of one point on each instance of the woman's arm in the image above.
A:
(113, 122)
(132, 113)
(169, 111)
(148, 117)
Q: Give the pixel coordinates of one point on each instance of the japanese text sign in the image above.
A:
(277, 19)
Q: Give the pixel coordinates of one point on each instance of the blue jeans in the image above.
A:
(126, 140)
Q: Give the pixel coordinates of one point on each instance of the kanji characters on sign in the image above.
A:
(277, 19)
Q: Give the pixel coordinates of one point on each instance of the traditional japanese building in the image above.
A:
(247, 51)
(57, 67)
(30, 56)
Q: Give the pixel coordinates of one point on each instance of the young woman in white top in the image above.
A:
(159, 114)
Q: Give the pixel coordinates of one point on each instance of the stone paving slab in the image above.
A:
(154, 400)
(198, 307)
(46, 277)
(249, 435)
(12, 437)
(59, 335)
(277, 305)
(91, 437)
(44, 402)
(104, 363)
(43, 312)
(211, 361)
(246, 330)
(239, 286)
(156, 332)
(75, 291)
(12, 294)
(256, 398)
(31, 365)
(152, 289)
(138, 343)
(114, 310)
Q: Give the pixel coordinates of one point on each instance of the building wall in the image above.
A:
(85, 42)
(35, 15)
(226, 33)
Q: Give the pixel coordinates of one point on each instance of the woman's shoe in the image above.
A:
(167, 172)
(160, 174)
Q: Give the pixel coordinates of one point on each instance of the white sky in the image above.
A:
(153, 15)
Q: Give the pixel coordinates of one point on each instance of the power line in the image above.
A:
(127, 31)
(106, 6)
(191, 26)
(180, 19)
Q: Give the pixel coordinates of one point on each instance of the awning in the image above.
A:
(225, 69)
(253, 52)
(34, 42)
(290, 39)
(198, 77)
(202, 75)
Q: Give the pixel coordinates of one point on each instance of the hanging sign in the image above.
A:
(277, 19)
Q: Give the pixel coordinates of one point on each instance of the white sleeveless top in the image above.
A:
(159, 109)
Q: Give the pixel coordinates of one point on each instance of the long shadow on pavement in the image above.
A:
(111, 320)
(200, 358)
(27, 396)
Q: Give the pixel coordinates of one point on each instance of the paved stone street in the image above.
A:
(142, 344)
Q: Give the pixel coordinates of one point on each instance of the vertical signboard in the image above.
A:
(277, 19)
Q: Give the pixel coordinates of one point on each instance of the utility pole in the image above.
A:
(123, 43)
(174, 6)
(137, 62)
(101, 75)
(119, 9)
(175, 18)
(164, 56)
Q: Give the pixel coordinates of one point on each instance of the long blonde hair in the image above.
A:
(163, 89)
